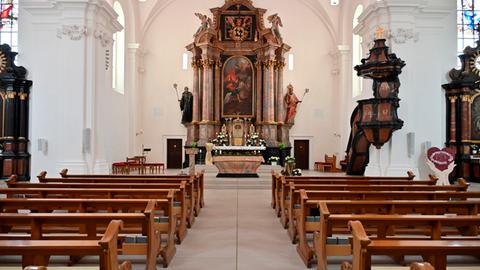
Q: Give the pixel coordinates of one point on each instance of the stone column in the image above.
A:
(132, 78)
(207, 123)
(343, 97)
(269, 124)
(259, 97)
(453, 119)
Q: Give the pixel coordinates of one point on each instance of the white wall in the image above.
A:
(303, 30)
(72, 90)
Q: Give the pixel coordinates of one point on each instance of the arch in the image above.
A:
(314, 5)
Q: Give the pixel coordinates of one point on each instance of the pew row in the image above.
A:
(170, 194)
(278, 181)
(292, 198)
(313, 199)
(193, 184)
(434, 250)
(199, 178)
(184, 190)
(37, 252)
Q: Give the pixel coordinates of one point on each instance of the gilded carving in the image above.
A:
(207, 63)
(466, 98)
(23, 96)
(452, 99)
(270, 63)
(11, 94)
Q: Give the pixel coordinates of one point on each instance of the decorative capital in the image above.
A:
(104, 38)
(466, 98)
(73, 32)
(207, 63)
(452, 99)
(270, 63)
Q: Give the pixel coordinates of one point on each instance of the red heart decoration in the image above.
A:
(441, 158)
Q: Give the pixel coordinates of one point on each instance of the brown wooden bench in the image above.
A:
(199, 179)
(435, 250)
(279, 180)
(85, 226)
(37, 252)
(164, 222)
(288, 199)
(310, 196)
(324, 225)
(185, 191)
(180, 211)
(194, 184)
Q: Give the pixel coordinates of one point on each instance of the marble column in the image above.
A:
(269, 124)
(453, 119)
(206, 125)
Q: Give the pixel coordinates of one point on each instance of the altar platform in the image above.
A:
(238, 161)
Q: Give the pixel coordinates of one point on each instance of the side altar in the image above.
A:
(238, 65)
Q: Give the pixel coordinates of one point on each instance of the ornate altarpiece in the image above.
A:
(238, 74)
(463, 114)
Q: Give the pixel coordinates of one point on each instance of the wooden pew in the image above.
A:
(278, 181)
(111, 193)
(309, 197)
(148, 211)
(435, 250)
(88, 223)
(37, 252)
(198, 176)
(324, 226)
(292, 196)
(180, 186)
(194, 184)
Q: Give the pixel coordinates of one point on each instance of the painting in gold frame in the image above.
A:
(238, 87)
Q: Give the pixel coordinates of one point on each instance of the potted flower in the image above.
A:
(274, 161)
(289, 165)
(474, 148)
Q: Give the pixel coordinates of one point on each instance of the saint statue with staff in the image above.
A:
(186, 104)
(291, 102)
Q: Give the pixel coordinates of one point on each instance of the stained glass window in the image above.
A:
(8, 23)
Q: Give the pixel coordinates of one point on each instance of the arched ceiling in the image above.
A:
(150, 9)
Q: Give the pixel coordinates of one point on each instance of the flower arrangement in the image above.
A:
(289, 159)
(194, 145)
(281, 146)
(474, 148)
(221, 139)
(254, 140)
(274, 159)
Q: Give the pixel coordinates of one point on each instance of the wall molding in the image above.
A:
(403, 35)
(73, 32)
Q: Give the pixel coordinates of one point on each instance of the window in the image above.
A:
(357, 54)
(468, 19)
(8, 23)
(118, 72)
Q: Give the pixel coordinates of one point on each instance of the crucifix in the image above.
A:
(379, 33)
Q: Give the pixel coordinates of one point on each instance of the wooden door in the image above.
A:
(302, 154)
(174, 153)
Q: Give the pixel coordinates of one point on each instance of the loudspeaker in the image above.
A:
(42, 146)
(411, 144)
(87, 137)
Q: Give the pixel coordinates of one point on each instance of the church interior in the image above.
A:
(240, 134)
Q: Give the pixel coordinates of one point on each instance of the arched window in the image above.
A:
(468, 19)
(357, 54)
(118, 77)
(8, 23)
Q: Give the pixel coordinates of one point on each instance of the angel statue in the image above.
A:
(206, 23)
(276, 22)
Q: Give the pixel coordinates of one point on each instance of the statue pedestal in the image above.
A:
(208, 157)
(191, 152)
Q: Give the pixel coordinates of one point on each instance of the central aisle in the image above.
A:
(236, 230)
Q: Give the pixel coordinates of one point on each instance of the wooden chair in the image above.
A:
(330, 164)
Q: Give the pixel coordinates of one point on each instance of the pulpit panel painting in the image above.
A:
(476, 118)
(238, 92)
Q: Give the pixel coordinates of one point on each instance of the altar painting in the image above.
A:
(238, 83)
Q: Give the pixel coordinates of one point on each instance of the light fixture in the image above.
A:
(334, 2)
(185, 61)
(291, 62)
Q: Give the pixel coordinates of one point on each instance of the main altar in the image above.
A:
(238, 67)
